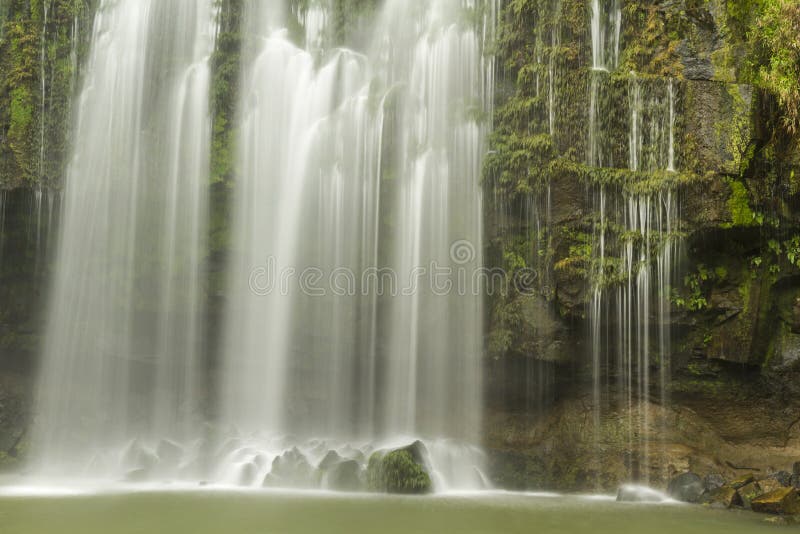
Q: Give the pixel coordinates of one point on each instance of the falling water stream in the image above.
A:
(121, 350)
(358, 180)
(335, 336)
(646, 247)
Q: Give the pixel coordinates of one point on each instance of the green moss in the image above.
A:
(397, 472)
(739, 206)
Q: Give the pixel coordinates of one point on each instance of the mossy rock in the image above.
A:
(399, 471)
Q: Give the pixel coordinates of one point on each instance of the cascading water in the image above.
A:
(640, 225)
(120, 363)
(357, 171)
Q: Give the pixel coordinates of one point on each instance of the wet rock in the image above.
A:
(169, 452)
(345, 476)
(137, 456)
(137, 475)
(742, 481)
(248, 474)
(770, 484)
(724, 497)
(400, 471)
(796, 468)
(638, 494)
(713, 482)
(686, 487)
(784, 478)
(292, 470)
(331, 459)
(795, 481)
(783, 520)
(784, 501)
(750, 491)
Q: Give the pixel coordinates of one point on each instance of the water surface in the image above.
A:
(265, 512)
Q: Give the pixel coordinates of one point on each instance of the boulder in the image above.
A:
(686, 487)
(169, 453)
(713, 482)
(331, 459)
(750, 491)
(137, 457)
(784, 478)
(742, 481)
(292, 470)
(770, 484)
(795, 481)
(345, 476)
(785, 501)
(400, 471)
(796, 468)
(724, 497)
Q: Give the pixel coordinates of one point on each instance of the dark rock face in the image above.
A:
(686, 487)
(796, 468)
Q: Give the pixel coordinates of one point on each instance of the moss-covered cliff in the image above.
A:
(558, 175)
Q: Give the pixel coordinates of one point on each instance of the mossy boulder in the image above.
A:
(401, 471)
(784, 501)
(724, 497)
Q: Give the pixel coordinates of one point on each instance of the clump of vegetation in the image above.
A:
(776, 39)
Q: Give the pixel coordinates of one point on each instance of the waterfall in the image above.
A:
(628, 326)
(359, 175)
(605, 29)
(120, 360)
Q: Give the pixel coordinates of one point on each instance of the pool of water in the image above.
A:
(232, 512)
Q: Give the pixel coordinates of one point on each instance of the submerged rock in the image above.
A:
(784, 501)
(687, 487)
(724, 497)
(400, 471)
(783, 520)
(713, 482)
(632, 493)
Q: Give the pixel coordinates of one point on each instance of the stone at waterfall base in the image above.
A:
(724, 497)
(686, 487)
(403, 471)
(785, 501)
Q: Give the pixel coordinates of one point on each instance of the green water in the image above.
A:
(260, 513)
